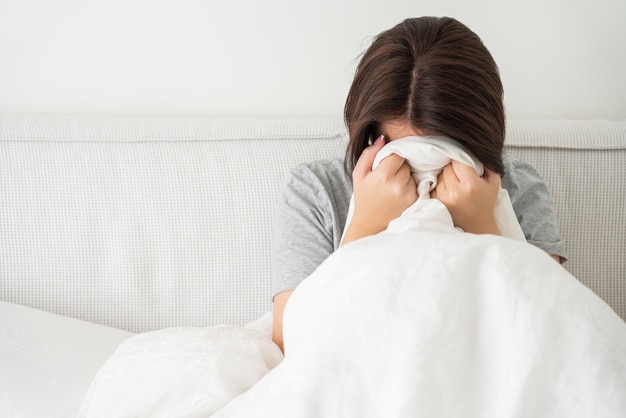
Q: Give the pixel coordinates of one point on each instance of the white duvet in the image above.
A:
(421, 320)
(427, 321)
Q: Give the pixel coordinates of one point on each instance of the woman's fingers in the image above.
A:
(366, 160)
(380, 195)
(470, 199)
(492, 178)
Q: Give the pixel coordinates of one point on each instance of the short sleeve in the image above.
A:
(309, 218)
(533, 206)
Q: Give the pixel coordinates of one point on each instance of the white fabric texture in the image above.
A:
(180, 372)
(47, 361)
(427, 156)
(420, 320)
(433, 322)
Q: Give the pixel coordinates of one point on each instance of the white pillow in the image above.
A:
(183, 371)
(47, 361)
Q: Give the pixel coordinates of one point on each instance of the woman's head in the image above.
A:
(436, 75)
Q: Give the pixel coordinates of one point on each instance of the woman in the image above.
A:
(425, 76)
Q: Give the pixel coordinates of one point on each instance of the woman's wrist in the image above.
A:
(490, 227)
(357, 230)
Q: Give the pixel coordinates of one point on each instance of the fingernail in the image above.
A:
(379, 140)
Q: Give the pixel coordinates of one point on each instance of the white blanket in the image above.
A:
(429, 322)
(421, 320)
(181, 372)
(433, 322)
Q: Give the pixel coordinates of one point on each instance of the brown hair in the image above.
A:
(437, 75)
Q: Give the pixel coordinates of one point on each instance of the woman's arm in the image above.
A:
(280, 301)
(533, 205)
(309, 218)
(309, 221)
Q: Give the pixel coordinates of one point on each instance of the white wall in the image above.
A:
(291, 58)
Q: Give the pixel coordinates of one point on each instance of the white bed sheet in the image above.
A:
(49, 361)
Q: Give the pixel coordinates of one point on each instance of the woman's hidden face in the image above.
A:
(396, 129)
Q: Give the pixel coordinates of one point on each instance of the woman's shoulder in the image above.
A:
(322, 167)
(519, 174)
(515, 162)
(324, 174)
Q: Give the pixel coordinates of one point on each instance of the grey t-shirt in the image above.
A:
(311, 215)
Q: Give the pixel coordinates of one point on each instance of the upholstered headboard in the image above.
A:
(145, 223)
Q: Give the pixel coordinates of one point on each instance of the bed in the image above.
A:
(116, 232)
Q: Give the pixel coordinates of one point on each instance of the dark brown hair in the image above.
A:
(437, 75)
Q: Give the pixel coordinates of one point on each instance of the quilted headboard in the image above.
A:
(145, 223)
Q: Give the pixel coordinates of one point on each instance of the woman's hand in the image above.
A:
(470, 199)
(380, 195)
